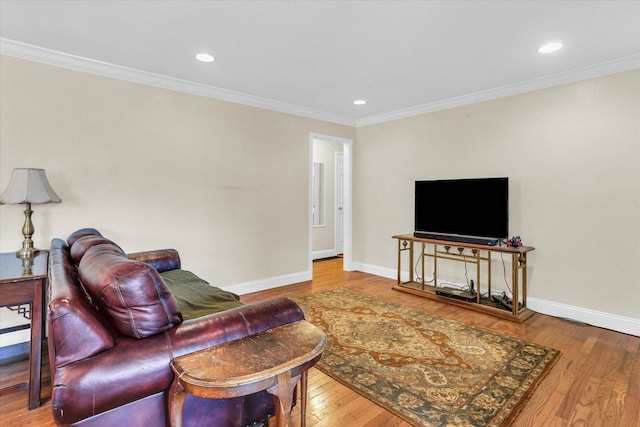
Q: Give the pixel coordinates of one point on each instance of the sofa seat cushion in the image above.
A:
(196, 297)
(130, 293)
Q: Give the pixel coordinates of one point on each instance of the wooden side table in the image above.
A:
(23, 282)
(273, 361)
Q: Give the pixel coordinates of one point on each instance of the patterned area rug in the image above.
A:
(425, 369)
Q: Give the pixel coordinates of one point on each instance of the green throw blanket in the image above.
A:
(196, 298)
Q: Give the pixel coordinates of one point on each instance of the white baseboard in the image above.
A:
(389, 273)
(270, 283)
(328, 253)
(626, 325)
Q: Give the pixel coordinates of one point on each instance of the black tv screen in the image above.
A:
(453, 209)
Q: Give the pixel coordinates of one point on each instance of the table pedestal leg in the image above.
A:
(283, 391)
(177, 395)
(303, 399)
(35, 354)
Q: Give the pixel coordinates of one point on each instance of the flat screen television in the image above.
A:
(463, 210)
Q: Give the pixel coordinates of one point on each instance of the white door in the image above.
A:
(339, 203)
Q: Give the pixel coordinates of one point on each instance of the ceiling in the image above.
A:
(314, 58)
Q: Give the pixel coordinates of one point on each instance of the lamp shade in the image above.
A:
(29, 185)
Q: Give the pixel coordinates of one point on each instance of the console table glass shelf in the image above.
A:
(480, 256)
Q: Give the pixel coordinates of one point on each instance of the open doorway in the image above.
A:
(330, 175)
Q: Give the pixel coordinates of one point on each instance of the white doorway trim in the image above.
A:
(348, 207)
(339, 202)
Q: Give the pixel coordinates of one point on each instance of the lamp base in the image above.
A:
(27, 254)
(27, 251)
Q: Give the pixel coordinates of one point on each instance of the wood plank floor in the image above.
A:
(596, 382)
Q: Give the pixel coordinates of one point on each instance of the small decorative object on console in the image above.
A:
(515, 242)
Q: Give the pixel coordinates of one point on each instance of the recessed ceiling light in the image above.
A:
(359, 102)
(205, 57)
(550, 47)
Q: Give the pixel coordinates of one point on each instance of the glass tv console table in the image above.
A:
(479, 297)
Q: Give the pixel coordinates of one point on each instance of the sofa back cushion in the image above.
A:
(76, 329)
(79, 234)
(81, 246)
(130, 293)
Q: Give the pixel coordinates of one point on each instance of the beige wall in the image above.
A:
(572, 154)
(324, 236)
(225, 184)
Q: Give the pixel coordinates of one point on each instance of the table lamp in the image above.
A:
(28, 185)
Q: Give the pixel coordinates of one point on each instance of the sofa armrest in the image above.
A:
(160, 259)
(131, 370)
(233, 324)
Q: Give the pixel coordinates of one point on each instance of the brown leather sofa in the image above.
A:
(114, 326)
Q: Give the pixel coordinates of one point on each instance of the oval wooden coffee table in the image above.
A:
(273, 361)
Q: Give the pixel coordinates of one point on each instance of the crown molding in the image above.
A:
(619, 65)
(52, 57)
(61, 59)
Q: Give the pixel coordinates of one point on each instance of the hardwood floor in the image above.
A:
(596, 382)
